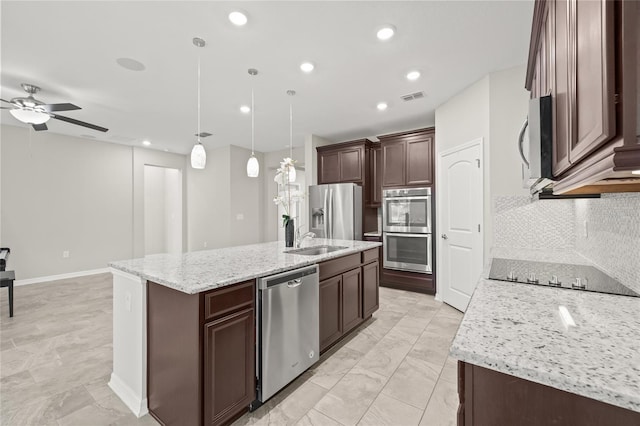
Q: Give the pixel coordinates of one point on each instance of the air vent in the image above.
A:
(203, 134)
(412, 96)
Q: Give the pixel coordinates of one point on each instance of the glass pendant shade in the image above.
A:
(253, 167)
(30, 117)
(198, 156)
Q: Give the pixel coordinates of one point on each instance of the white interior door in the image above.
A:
(460, 201)
(162, 210)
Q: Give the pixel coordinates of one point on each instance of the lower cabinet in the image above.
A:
(488, 397)
(229, 368)
(200, 354)
(348, 294)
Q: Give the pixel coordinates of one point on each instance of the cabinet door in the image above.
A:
(351, 165)
(561, 97)
(593, 111)
(351, 299)
(376, 176)
(229, 366)
(370, 285)
(393, 163)
(330, 311)
(419, 162)
(328, 167)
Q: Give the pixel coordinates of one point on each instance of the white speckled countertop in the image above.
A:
(516, 329)
(204, 270)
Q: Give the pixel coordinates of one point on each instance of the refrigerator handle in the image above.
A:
(326, 213)
(330, 213)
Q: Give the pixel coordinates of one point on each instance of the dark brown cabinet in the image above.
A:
(348, 294)
(371, 289)
(201, 354)
(330, 311)
(407, 158)
(375, 173)
(585, 55)
(488, 397)
(343, 162)
(229, 371)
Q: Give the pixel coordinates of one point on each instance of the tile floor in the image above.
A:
(55, 361)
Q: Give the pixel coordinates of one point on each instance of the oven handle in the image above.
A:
(419, 197)
(403, 234)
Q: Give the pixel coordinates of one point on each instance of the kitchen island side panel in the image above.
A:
(174, 365)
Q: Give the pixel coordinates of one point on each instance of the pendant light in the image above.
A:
(253, 167)
(198, 154)
(292, 170)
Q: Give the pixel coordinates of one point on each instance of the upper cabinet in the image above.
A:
(375, 172)
(407, 158)
(585, 53)
(343, 162)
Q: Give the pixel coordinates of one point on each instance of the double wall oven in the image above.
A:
(406, 226)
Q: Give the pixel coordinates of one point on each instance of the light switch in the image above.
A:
(239, 216)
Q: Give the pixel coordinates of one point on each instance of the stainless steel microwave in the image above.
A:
(535, 143)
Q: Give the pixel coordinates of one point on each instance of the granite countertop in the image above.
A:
(517, 329)
(204, 270)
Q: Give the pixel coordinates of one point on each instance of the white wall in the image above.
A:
(493, 108)
(155, 231)
(64, 193)
(247, 204)
(311, 157)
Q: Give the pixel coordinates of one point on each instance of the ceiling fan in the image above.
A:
(29, 110)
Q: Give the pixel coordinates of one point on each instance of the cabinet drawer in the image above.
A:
(228, 299)
(334, 267)
(370, 255)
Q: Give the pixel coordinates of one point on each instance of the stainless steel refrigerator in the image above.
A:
(335, 211)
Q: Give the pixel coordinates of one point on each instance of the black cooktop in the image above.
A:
(560, 275)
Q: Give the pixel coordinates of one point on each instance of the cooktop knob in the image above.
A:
(554, 281)
(578, 284)
(512, 276)
(532, 278)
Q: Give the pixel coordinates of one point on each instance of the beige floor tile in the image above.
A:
(295, 406)
(413, 382)
(450, 371)
(316, 418)
(432, 346)
(351, 397)
(443, 406)
(99, 388)
(334, 367)
(387, 411)
(93, 415)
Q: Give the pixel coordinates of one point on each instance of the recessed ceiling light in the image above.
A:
(146, 143)
(381, 106)
(413, 75)
(307, 67)
(130, 64)
(245, 109)
(636, 172)
(238, 18)
(386, 32)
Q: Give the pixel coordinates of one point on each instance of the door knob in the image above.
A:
(444, 237)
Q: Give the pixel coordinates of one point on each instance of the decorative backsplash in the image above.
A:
(611, 242)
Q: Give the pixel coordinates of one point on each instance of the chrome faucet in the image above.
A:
(300, 238)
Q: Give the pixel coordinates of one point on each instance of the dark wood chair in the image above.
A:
(6, 280)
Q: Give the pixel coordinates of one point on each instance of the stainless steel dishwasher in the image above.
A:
(288, 328)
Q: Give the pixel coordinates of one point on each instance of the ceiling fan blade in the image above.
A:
(79, 123)
(58, 107)
(39, 127)
(6, 108)
(9, 102)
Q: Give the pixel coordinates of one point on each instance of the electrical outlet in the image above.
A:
(127, 301)
(239, 216)
(205, 244)
(65, 254)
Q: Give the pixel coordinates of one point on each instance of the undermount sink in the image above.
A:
(316, 250)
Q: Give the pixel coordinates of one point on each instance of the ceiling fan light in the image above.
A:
(253, 166)
(30, 117)
(198, 156)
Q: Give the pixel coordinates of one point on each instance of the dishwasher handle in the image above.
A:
(294, 283)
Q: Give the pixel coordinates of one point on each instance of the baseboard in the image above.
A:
(139, 407)
(60, 277)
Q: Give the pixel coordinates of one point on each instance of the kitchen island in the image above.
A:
(184, 325)
(520, 364)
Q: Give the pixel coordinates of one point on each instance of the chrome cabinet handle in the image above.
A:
(444, 237)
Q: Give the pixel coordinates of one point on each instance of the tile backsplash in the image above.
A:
(605, 231)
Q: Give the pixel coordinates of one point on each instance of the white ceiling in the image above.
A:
(70, 50)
